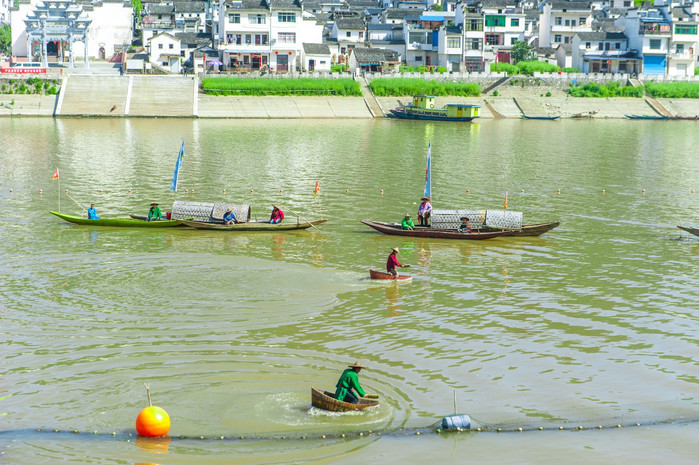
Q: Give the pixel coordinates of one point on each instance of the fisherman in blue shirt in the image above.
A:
(92, 213)
(229, 217)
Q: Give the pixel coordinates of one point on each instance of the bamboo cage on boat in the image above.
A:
(208, 211)
(451, 219)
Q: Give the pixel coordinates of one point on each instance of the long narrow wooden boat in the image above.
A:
(116, 222)
(373, 274)
(694, 231)
(527, 229)
(539, 117)
(395, 230)
(252, 225)
(325, 400)
(646, 116)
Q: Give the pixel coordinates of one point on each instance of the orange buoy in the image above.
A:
(346, 191)
(251, 191)
(381, 191)
(192, 191)
(10, 191)
(559, 191)
(468, 191)
(41, 191)
(603, 191)
(522, 190)
(280, 191)
(152, 422)
(129, 191)
(100, 191)
(644, 192)
(224, 191)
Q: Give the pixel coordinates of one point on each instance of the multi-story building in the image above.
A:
(682, 57)
(173, 18)
(603, 52)
(650, 33)
(559, 21)
(347, 32)
(256, 34)
(503, 26)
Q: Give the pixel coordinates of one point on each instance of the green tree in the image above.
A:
(5, 40)
(522, 51)
(137, 8)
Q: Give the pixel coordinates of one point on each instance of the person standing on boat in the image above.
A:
(92, 213)
(348, 382)
(465, 226)
(392, 262)
(154, 213)
(424, 211)
(407, 223)
(277, 215)
(229, 217)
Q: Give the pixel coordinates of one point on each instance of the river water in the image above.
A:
(594, 324)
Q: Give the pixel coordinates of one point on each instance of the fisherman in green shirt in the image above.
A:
(407, 223)
(350, 381)
(154, 213)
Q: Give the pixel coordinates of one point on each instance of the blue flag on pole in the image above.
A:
(428, 172)
(173, 185)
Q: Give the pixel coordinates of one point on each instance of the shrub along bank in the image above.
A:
(32, 85)
(395, 87)
(303, 86)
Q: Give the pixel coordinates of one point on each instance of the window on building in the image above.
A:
(284, 17)
(348, 34)
(582, 21)
(617, 46)
(160, 46)
(557, 38)
(686, 29)
(567, 22)
(566, 40)
(654, 44)
(453, 42)
(474, 25)
(239, 39)
(627, 3)
(256, 19)
(473, 44)
(557, 20)
(418, 58)
(495, 21)
(679, 49)
(361, 35)
(572, 22)
(171, 46)
(513, 40)
(234, 18)
(587, 44)
(287, 38)
(263, 39)
(492, 39)
(607, 46)
(514, 22)
(600, 46)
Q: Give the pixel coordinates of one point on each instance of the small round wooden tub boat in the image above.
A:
(373, 274)
(325, 400)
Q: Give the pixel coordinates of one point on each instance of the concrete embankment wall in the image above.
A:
(178, 96)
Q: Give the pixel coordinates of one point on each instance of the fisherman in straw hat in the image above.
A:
(392, 262)
(154, 213)
(424, 211)
(407, 223)
(277, 215)
(348, 382)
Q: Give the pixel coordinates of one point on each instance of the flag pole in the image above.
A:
(59, 194)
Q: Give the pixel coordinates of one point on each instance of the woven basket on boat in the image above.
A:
(451, 219)
(208, 211)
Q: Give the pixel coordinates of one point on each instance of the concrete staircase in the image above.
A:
(370, 99)
(93, 95)
(657, 106)
(162, 95)
(135, 95)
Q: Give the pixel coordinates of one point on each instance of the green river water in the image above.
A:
(592, 324)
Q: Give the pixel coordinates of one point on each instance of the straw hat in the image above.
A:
(357, 364)
(425, 198)
(154, 203)
(464, 218)
(395, 249)
(407, 215)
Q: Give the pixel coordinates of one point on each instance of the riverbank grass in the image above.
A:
(303, 86)
(612, 89)
(672, 89)
(396, 87)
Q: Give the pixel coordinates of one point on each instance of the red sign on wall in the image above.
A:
(22, 70)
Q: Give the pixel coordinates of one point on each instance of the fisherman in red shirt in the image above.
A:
(277, 215)
(392, 262)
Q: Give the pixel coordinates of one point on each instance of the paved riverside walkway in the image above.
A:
(111, 95)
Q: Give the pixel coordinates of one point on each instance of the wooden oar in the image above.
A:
(406, 266)
(304, 219)
(371, 396)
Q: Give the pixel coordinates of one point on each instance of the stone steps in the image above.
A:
(93, 95)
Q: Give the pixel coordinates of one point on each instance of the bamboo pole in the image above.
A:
(304, 219)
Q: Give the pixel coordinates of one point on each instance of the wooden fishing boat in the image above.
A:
(325, 400)
(646, 116)
(373, 274)
(527, 229)
(252, 225)
(694, 231)
(539, 117)
(422, 107)
(395, 230)
(116, 222)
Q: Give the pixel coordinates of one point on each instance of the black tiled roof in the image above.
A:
(316, 49)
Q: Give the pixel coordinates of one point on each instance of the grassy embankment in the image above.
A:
(303, 86)
(32, 85)
(395, 87)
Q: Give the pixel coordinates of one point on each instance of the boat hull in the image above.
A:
(407, 114)
(529, 229)
(373, 274)
(251, 226)
(325, 400)
(540, 117)
(396, 230)
(116, 222)
(646, 117)
(694, 231)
